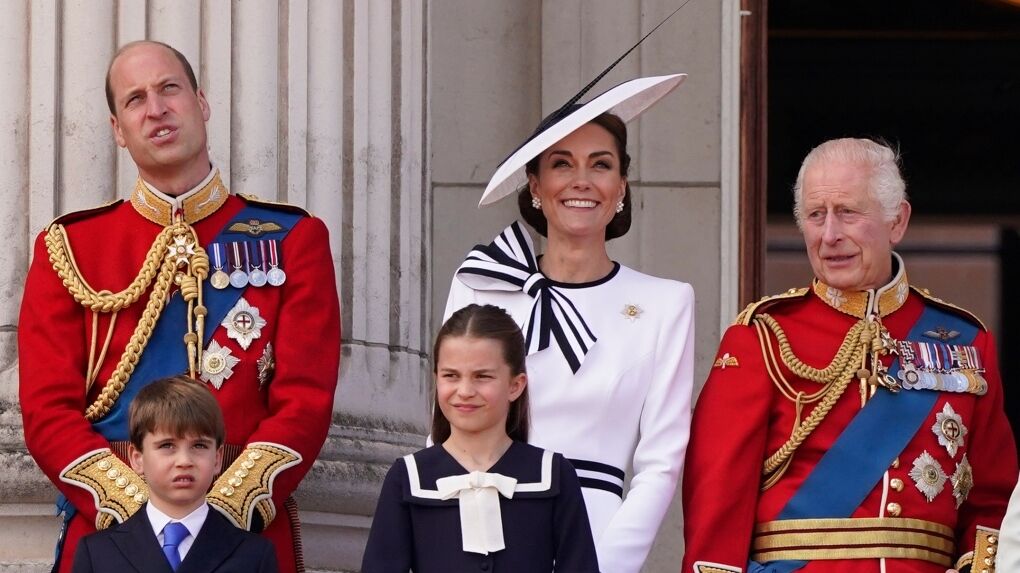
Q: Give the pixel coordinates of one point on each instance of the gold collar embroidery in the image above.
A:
(856, 303)
(195, 205)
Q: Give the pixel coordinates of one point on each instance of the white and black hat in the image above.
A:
(627, 101)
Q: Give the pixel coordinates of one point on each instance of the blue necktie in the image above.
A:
(173, 534)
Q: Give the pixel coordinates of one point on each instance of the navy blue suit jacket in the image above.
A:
(132, 546)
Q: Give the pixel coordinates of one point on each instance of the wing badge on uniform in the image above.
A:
(941, 333)
(726, 361)
(254, 227)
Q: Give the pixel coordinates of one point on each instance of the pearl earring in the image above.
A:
(619, 206)
(536, 202)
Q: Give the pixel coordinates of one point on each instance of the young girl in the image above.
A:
(481, 499)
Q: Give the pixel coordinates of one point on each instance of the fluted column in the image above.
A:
(320, 103)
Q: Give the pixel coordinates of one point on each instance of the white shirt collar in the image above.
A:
(193, 521)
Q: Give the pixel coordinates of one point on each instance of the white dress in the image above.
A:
(628, 406)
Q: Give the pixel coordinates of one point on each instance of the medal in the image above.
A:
(963, 480)
(928, 476)
(257, 277)
(238, 278)
(219, 279)
(276, 276)
(949, 429)
(243, 323)
(217, 364)
(266, 365)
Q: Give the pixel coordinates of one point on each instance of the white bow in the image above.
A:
(481, 523)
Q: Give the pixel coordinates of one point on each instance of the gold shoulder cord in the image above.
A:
(866, 338)
(175, 256)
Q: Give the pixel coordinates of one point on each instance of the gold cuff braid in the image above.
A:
(117, 490)
(706, 567)
(244, 492)
(982, 559)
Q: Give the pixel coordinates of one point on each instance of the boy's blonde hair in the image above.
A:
(179, 405)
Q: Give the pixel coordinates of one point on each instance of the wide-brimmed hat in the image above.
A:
(627, 101)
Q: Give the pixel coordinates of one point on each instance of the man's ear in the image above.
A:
(203, 104)
(899, 223)
(118, 136)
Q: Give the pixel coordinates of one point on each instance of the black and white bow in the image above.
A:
(508, 263)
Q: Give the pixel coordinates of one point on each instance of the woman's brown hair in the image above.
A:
(491, 323)
(620, 223)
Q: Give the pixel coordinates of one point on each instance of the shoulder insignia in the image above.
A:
(249, 198)
(84, 213)
(745, 316)
(928, 297)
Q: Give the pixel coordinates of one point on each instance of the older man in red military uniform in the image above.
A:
(856, 425)
(184, 277)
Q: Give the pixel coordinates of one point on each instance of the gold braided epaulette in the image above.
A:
(84, 213)
(745, 316)
(117, 490)
(249, 198)
(926, 295)
(243, 493)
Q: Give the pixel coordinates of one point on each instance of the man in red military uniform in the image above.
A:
(856, 425)
(184, 277)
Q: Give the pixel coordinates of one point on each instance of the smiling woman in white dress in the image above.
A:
(610, 349)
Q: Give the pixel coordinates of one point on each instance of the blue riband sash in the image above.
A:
(165, 354)
(856, 462)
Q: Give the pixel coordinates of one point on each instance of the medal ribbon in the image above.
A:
(508, 263)
(262, 255)
(217, 256)
(274, 259)
(237, 256)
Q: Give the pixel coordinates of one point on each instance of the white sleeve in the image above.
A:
(1008, 558)
(659, 456)
(460, 296)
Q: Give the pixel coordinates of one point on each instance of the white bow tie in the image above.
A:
(481, 522)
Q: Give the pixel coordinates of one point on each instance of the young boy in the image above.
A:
(177, 434)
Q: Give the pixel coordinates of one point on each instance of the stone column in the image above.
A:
(319, 103)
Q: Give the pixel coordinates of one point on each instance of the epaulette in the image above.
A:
(745, 316)
(249, 198)
(926, 295)
(84, 214)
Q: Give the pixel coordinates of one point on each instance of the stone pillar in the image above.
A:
(319, 103)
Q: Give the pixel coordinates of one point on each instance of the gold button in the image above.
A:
(896, 463)
(893, 509)
(227, 491)
(121, 482)
(896, 484)
(234, 481)
(247, 464)
(113, 474)
(988, 561)
(105, 465)
(254, 455)
(139, 498)
(991, 551)
(131, 490)
(993, 539)
(241, 473)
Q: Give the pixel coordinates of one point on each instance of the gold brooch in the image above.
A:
(726, 361)
(631, 312)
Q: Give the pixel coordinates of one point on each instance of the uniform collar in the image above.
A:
(882, 301)
(196, 204)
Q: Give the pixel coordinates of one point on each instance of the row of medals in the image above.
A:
(245, 273)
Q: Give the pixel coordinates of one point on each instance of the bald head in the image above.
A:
(188, 71)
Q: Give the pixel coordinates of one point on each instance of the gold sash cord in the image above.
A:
(854, 538)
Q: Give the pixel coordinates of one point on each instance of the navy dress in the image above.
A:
(545, 525)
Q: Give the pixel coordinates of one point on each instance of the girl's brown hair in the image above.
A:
(492, 323)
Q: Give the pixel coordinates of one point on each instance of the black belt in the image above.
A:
(595, 475)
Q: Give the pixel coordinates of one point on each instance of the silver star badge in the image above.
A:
(243, 323)
(928, 476)
(963, 480)
(181, 250)
(217, 364)
(949, 429)
(631, 312)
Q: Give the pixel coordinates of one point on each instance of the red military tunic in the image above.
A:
(742, 417)
(277, 425)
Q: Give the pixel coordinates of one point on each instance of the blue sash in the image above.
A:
(165, 354)
(858, 459)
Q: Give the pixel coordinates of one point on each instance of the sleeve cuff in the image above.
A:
(244, 493)
(117, 490)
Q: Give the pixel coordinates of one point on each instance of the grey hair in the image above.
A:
(886, 182)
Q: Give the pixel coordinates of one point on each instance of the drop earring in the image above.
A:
(536, 202)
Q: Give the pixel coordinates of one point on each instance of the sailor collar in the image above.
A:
(193, 206)
(882, 301)
(531, 467)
